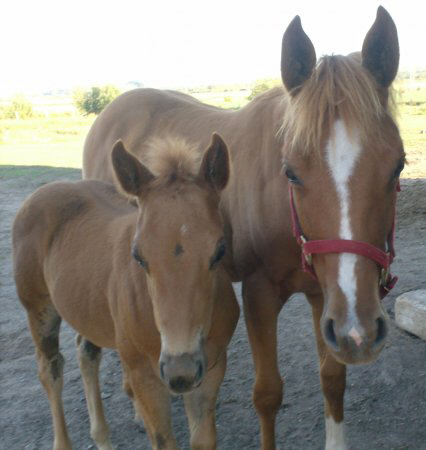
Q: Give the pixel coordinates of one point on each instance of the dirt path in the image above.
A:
(385, 401)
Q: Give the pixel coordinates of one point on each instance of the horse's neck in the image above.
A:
(258, 140)
(256, 201)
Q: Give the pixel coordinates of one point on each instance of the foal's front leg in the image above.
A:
(200, 405)
(262, 305)
(333, 382)
(151, 400)
(89, 359)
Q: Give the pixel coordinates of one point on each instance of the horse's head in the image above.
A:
(179, 244)
(343, 156)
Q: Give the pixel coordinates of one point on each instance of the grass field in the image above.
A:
(56, 136)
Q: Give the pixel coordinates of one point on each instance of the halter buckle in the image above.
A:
(384, 277)
(308, 256)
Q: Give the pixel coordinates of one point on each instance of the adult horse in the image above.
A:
(147, 281)
(318, 160)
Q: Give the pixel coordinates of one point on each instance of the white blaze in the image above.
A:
(342, 155)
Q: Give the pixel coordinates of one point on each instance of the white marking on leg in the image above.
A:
(334, 435)
(342, 156)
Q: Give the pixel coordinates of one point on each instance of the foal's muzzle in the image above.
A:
(182, 373)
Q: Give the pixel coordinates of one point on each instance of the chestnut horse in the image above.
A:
(317, 159)
(145, 280)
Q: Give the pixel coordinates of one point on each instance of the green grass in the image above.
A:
(56, 142)
(17, 172)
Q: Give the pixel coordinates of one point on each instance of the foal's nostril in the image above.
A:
(382, 331)
(330, 335)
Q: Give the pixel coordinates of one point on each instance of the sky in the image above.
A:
(51, 44)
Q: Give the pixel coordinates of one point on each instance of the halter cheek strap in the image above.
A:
(309, 248)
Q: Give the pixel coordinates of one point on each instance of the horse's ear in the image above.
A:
(214, 169)
(131, 174)
(298, 57)
(380, 50)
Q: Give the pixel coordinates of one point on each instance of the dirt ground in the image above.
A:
(385, 401)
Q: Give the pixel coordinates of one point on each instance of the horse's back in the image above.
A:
(140, 114)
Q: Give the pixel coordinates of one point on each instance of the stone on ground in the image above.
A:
(410, 312)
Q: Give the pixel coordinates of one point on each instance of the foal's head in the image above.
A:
(178, 244)
(343, 156)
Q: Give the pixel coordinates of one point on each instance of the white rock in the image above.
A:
(410, 312)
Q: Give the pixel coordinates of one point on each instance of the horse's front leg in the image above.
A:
(333, 382)
(262, 305)
(200, 406)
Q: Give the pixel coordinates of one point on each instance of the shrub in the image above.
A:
(20, 108)
(95, 99)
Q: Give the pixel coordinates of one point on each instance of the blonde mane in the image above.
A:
(339, 88)
(172, 158)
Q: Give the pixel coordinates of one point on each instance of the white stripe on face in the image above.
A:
(342, 156)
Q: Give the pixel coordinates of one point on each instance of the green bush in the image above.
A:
(95, 99)
(20, 108)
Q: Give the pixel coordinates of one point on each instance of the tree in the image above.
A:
(95, 99)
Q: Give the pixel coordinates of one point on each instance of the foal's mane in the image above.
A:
(172, 158)
(339, 88)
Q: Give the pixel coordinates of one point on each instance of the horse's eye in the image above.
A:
(139, 259)
(218, 253)
(291, 176)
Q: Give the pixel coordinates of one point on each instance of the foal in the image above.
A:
(146, 281)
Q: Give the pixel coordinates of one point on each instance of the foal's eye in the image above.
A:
(291, 176)
(139, 259)
(218, 253)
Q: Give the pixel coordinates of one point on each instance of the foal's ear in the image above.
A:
(131, 174)
(214, 169)
(380, 51)
(298, 57)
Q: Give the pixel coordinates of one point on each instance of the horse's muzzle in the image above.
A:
(352, 345)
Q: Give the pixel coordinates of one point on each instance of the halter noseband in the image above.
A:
(309, 248)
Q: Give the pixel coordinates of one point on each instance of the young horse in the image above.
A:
(331, 133)
(147, 281)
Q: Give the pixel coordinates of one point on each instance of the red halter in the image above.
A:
(309, 248)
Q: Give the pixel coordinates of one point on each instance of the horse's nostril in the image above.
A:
(162, 370)
(330, 335)
(382, 331)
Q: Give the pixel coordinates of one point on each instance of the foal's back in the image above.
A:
(65, 228)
